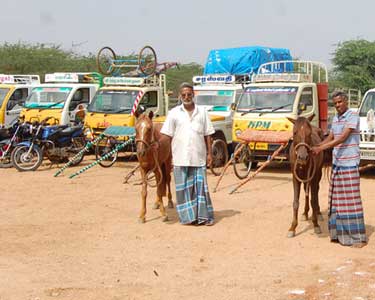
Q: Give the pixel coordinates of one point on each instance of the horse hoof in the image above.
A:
(156, 206)
(320, 217)
(291, 234)
(170, 204)
(317, 230)
(165, 219)
(141, 220)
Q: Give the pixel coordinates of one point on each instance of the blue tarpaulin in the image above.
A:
(243, 60)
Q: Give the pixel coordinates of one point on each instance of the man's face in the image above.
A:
(187, 95)
(341, 104)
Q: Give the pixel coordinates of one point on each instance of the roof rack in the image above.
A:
(19, 79)
(292, 70)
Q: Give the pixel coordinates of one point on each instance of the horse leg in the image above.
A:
(142, 215)
(296, 188)
(315, 205)
(307, 206)
(168, 182)
(159, 195)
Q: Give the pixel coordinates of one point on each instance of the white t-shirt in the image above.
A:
(188, 145)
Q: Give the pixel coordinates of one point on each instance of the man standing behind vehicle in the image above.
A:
(190, 129)
(346, 218)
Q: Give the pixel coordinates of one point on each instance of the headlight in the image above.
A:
(237, 132)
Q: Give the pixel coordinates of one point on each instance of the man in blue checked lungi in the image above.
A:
(190, 128)
(346, 218)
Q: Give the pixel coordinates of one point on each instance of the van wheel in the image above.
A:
(219, 156)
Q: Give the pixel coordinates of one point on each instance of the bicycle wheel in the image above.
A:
(147, 60)
(104, 60)
(242, 162)
(104, 149)
(219, 156)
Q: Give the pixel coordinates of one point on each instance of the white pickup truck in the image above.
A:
(367, 127)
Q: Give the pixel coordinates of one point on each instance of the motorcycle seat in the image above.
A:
(70, 130)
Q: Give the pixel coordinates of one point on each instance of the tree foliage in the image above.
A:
(39, 59)
(354, 64)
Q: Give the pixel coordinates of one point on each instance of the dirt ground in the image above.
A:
(79, 238)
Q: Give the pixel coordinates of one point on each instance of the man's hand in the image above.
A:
(316, 150)
(209, 159)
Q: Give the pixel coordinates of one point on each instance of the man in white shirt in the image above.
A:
(190, 129)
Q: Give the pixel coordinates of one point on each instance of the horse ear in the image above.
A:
(291, 120)
(151, 114)
(311, 117)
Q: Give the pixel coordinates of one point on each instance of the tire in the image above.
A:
(219, 156)
(6, 162)
(242, 162)
(104, 60)
(23, 162)
(147, 60)
(107, 146)
(77, 161)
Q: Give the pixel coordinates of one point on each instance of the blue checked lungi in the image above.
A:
(192, 195)
(346, 219)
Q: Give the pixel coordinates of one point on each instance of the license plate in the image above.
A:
(258, 146)
(368, 154)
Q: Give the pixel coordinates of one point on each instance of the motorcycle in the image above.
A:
(58, 143)
(9, 138)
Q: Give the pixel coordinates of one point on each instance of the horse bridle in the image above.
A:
(311, 165)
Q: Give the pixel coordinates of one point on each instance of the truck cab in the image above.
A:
(280, 90)
(61, 97)
(14, 89)
(115, 103)
(217, 93)
(367, 127)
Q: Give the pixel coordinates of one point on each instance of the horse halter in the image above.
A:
(312, 166)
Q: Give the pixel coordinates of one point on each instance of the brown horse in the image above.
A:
(306, 168)
(154, 155)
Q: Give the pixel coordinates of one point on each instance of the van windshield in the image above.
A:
(214, 98)
(48, 97)
(268, 98)
(113, 101)
(367, 104)
(3, 93)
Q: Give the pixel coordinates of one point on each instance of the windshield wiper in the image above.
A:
(254, 109)
(276, 108)
(122, 110)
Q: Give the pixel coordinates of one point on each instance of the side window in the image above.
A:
(80, 96)
(150, 99)
(17, 99)
(306, 101)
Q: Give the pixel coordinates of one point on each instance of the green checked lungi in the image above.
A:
(192, 195)
(346, 221)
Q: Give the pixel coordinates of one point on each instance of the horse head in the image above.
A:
(144, 133)
(302, 141)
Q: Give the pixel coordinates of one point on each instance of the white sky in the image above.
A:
(185, 31)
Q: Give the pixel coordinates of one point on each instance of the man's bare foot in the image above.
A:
(358, 245)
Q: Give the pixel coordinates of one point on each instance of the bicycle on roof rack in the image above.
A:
(108, 63)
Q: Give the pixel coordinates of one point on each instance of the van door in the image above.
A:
(78, 104)
(15, 105)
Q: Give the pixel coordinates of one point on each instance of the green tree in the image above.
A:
(184, 73)
(354, 64)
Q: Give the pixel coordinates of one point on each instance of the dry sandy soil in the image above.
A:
(79, 238)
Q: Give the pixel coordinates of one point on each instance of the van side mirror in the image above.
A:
(233, 106)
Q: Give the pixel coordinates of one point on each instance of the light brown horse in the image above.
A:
(154, 155)
(306, 168)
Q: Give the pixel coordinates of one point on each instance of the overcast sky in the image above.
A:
(185, 31)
